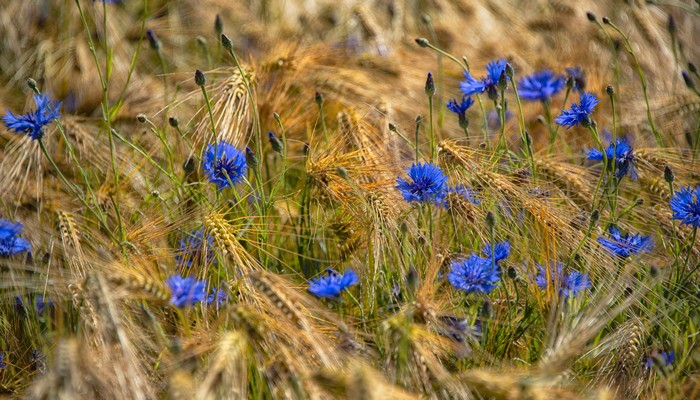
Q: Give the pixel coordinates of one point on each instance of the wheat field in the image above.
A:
(362, 199)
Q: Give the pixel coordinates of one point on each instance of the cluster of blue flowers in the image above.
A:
(333, 283)
(32, 123)
(623, 157)
(190, 291)
(195, 249)
(626, 245)
(571, 283)
(224, 164)
(476, 274)
(428, 184)
(10, 242)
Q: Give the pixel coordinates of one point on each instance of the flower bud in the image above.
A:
(141, 118)
(199, 78)
(430, 85)
(591, 17)
(668, 174)
(610, 90)
(275, 142)
(422, 42)
(174, 122)
(250, 158)
(226, 42)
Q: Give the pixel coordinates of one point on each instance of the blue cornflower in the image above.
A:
(217, 297)
(186, 291)
(466, 192)
(626, 245)
(3, 363)
(195, 249)
(332, 284)
(572, 283)
(665, 358)
(10, 243)
(225, 168)
(540, 85)
(41, 304)
(489, 83)
(33, 123)
(461, 109)
(579, 78)
(579, 113)
(428, 184)
(622, 154)
(685, 205)
(501, 252)
(474, 274)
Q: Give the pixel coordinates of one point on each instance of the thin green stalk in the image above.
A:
(596, 138)
(521, 124)
(132, 66)
(432, 130)
(642, 78)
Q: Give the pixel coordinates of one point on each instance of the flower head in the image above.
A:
(41, 304)
(217, 297)
(622, 154)
(473, 274)
(186, 291)
(685, 205)
(224, 164)
(195, 248)
(333, 283)
(579, 113)
(572, 283)
(489, 83)
(33, 123)
(665, 359)
(460, 108)
(540, 85)
(626, 245)
(579, 77)
(10, 242)
(501, 251)
(428, 184)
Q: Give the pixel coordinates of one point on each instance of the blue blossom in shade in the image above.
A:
(428, 184)
(685, 205)
(3, 363)
(626, 245)
(217, 297)
(195, 249)
(32, 124)
(186, 291)
(20, 308)
(622, 154)
(665, 359)
(489, 83)
(41, 304)
(579, 78)
(502, 251)
(333, 283)
(579, 113)
(473, 274)
(10, 242)
(225, 167)
(572, 283)
(540, 86)
(466, 192)
(460, 108)
(493, 121)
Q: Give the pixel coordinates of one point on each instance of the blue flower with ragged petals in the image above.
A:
(10, 242)
(474, 274)
(685, 205)
(32, 123)
(428, 184)
(579, 113)
(41, 304)
(217, 297)
(333, 283)
(460, 108)
(626, 245)
(579, 77)
(224, 164)
(195, 249)
(186, 291)
(501, 252)
(573, 283)
(623, 156)
(489, 83)
(540, 86)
